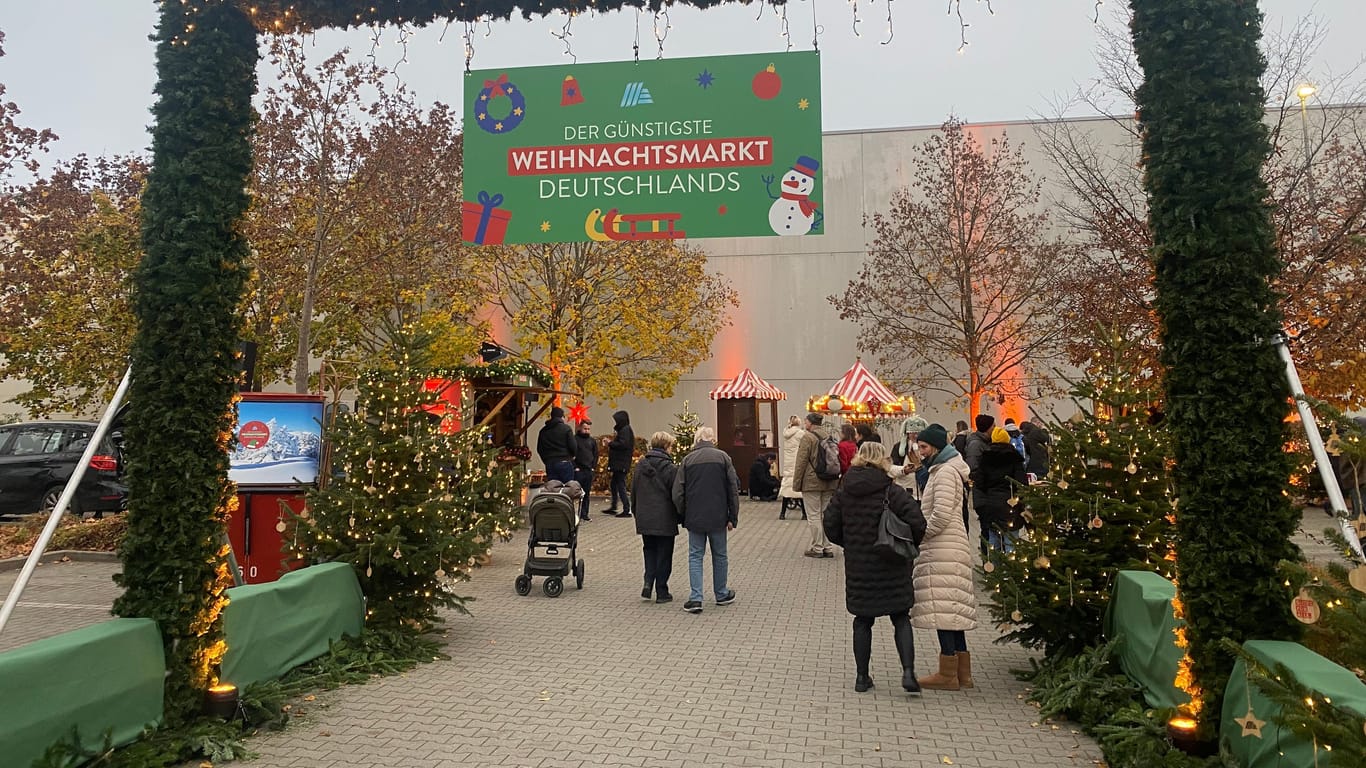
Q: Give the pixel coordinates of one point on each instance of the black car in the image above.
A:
(37, 458)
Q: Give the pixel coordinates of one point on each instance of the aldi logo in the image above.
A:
(636, 94)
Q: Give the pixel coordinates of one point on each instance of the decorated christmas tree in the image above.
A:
(1106, 506)
(410, 504)
(684, 430)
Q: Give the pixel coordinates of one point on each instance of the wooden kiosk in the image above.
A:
(747, 420)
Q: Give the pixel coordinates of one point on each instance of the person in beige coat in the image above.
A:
(792, 498)
(816, 493)
(943, 578)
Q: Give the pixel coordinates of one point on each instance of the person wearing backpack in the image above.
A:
(874, 583)
(816, 474)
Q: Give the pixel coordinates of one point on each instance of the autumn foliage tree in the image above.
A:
(74, 239)
(355, 212)
(612, 318)
(957, 292)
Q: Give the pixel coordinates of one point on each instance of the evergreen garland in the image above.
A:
(186, 293)
(291, 15)
(1105, 507)
(497, 370)
(1200, 112)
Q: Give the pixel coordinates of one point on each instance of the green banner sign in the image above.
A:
(722, 146)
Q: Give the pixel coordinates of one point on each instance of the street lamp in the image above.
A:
(1304, 92)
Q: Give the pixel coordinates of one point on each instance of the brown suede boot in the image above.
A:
(964, 669)
(946, 679)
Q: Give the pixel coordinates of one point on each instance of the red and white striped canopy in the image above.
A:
(747, 384)
(859, 385)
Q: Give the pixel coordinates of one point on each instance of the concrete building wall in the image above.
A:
(785, 328)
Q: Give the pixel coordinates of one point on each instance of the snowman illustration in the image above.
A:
(793, 211)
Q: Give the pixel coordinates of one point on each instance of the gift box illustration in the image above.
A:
(484, 222)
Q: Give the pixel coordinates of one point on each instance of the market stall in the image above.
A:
(745, 428)
(861, 396)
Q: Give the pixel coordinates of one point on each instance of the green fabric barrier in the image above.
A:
(104, 677)
(1280, 747)
(1140, 611)
(274, 627)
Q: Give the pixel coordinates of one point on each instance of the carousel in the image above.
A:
(861, 396)
(746, 420)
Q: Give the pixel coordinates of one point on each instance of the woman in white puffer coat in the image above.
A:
(792, 437)
(943, 577)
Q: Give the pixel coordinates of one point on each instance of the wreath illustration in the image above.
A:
(491, 91)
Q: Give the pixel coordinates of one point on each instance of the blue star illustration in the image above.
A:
(705, 79)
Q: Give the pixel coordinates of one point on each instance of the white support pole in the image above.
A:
(40, 546)
(1311, 431)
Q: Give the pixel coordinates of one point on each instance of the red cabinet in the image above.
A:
(255, 531)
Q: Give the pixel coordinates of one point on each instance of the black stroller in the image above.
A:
(552, 550)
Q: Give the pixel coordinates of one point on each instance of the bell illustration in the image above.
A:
(569, 91)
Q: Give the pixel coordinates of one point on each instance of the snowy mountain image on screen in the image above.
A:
(289, 456)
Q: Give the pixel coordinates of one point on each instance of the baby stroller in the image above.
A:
(552, 550)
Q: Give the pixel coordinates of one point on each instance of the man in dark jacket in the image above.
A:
(652, 490)
(1038, 443)
(707, 495)
(762, 484)
(619, 453)
(585, 461)
(556, 446)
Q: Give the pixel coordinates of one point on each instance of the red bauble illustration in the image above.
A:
(767, 84)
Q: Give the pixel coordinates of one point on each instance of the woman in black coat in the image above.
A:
(997, 479)
(656, 516)
(874, 585)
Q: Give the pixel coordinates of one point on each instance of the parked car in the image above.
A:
(38, 458)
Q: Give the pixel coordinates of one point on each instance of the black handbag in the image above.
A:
(895, 539)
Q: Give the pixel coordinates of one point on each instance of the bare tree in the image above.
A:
(1317, 177)
(958, 290)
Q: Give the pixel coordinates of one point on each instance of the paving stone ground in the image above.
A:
(598, 678)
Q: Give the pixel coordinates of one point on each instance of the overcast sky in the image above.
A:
(85, 68)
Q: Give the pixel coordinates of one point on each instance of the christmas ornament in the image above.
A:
(398, 555)
(1096, 522)
(1062, 485)
(1013, 500)
(1357, 578)
(569, 92)
(1016, 616)
(351, 522)
(1042, 561)
(1251, 725)
(280, 526)
(370, 463)
(1132, 468)
(440, 574)
(369, 571)
(766, 83)
(1305, 608)
(988, 566)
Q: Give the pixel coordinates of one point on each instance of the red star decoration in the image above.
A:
(578, 412)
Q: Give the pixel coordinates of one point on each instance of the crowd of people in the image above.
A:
(930, 479)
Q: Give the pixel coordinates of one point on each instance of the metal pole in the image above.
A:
(53, 520)
(1311, 431)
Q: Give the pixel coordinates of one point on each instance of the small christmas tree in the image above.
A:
(1106, 506)
(684, 431)
(411, 506)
